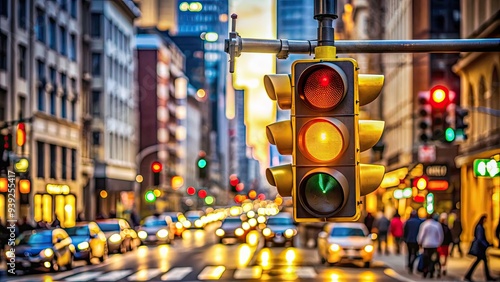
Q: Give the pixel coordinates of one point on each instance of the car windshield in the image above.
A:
(44, 237)
(155, 222)
(232, 220)
(106, 227)
(347, 232)
(193, 217)
(78, 231)
(279, 221)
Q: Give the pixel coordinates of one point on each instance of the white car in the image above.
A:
(346, 240)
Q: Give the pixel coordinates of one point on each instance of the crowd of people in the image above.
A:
(431, 240)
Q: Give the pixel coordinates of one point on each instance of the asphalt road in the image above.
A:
(197, 257)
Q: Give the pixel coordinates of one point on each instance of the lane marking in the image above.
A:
(253, 272)
(114, 275)
(392, 273)
(211, 272)
(177, 273)
(306, 272)
(144, 274)
(85, 276)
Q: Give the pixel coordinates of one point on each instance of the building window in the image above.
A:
(96, 103)
(96, 138)
(72, 47)
(73, 7)
(21, 8)
(52, 34)
(3, 51)
(41, 85)
(96, 25)
(63, 4)
(53, 161)
(41, 98)
(73, 110)
(52, 74)
(64, 97)
(22, 61)
(40, 26)
(64, 39)
(3, 103)
(22, 107)
(3, 8)
(63, 163)
(96, 64)
(73, 164)
(40, 165)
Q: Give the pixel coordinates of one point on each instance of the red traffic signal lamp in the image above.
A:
(324, 136)
(24, 186)
(439, 97)
(21, 134)
(156, 168)
(191, 190)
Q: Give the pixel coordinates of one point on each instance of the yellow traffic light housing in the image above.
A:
(325, 136)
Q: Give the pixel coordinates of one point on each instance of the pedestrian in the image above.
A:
(381, 227)
(430, 237)
(443, 250)
(455, 225)
(478, 249)
(410, 232)
(369, 221)
(396, 228)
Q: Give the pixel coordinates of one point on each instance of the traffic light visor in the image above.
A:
(323, 140)
(322, 86)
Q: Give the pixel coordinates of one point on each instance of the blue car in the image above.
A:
(89, 240)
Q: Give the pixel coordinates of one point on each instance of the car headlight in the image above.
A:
(289, 233)
(266, 232)
(178, 225)
(83, 246)
(253, 222)
(245, 225)
(368, 248)
(334, 248)
(115, 238)
(261, 219)
(219, 232)
(198, 223)
(47, 253)
(186, 224)
(142, 234)
(239, 231)
(162, 233)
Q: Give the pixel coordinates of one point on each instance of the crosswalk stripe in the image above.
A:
(114, 275)
(211, 272)
(177, 273)
(144, 274)
(254, 272)
(306, 272)
(85, 276)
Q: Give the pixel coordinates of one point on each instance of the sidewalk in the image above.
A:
(456, 266)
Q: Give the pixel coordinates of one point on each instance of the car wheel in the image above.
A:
(89, 259)
(220, 240)
(323, 260)
(104, 254)
(54, 267)
(367, 264)
(332, 263)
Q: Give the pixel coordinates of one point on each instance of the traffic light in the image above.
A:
(202, 165)
(4, 184)
(425, 113)
(324, 136)
(440, 99)
(24, 190)
(21, 134)
(460, 124)
(233, 182)
(7, 142)
(156, 168)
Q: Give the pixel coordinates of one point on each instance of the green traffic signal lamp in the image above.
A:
(202, 163)
(449, 135)
(150, 196)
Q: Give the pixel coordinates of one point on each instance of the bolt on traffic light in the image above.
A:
(325, 136)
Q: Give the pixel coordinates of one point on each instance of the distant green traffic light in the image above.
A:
(449, 134)
(150, 196)
(202, 163)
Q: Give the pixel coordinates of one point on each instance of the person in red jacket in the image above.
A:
(396, 229)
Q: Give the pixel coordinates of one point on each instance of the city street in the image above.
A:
(198, 257)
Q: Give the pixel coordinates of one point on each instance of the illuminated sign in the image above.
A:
(440, 185)
(57, 189)
(436, 170)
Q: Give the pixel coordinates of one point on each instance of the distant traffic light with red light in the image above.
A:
(24, 186)
(233, 182)
(156, 168)
(443, 105)
(191, 190)
(21, 134)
